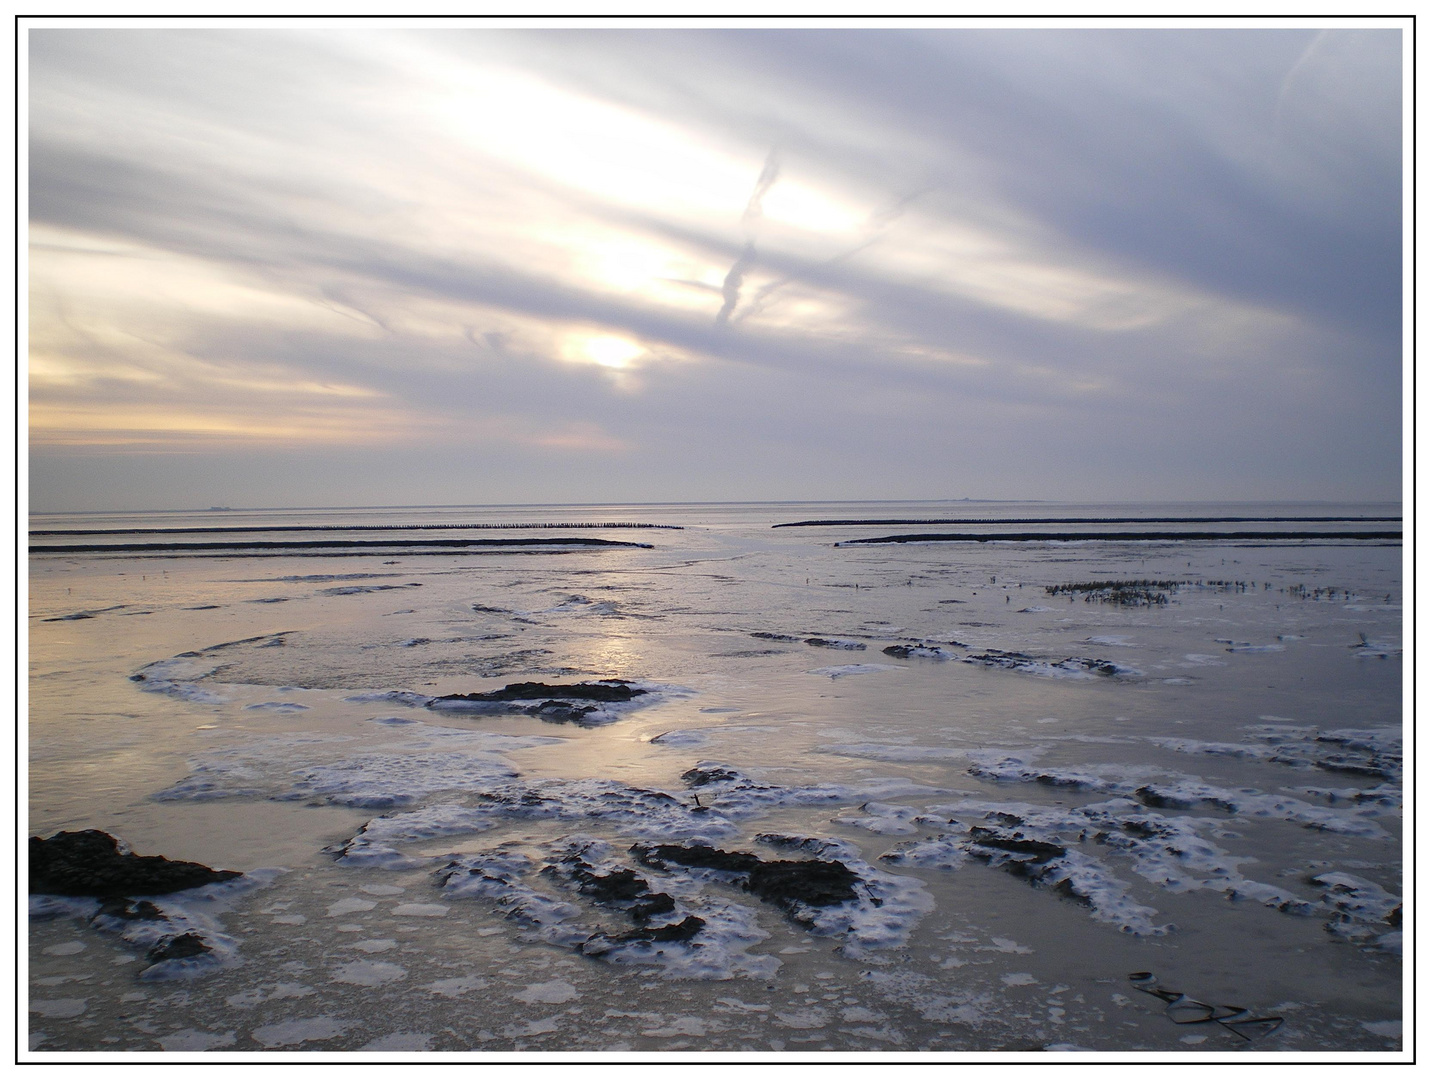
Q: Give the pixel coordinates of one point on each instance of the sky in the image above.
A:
(353, 263)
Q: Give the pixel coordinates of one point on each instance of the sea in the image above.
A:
(633, 780)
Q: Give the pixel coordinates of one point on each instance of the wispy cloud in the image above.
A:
(1007, 246)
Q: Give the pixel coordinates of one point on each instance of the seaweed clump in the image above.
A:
(1144, 593)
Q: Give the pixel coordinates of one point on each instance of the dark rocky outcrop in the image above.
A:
(699, 777)
(599, 944)
(561, 712)
(815, 882)
(620, 887)
(788, 884)
(183, 947)
(91, 863)
(556, 703)
(1030, 850)
(834, 643)
(126, 910)
(607, 690)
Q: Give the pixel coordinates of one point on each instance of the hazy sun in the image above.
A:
(611, 351)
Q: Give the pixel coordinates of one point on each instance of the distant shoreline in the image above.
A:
(1063, 521)
(983, 538)
(301, 546)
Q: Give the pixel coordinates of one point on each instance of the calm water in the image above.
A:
(1051, 791)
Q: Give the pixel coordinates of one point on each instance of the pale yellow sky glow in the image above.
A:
(355, 238)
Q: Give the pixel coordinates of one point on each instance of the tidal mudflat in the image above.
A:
(718, 785)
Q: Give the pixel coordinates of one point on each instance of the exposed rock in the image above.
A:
(928, 652)
(599, 944)
(91, 863)
(816, 882)
(183, 947)
(620, 887)
(561, 712)
(127, 910)
(702, 856)
(620, 884)
(1037, 851)
(787, 884)
(607, 690)
(699, 777)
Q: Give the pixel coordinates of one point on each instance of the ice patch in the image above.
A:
(680, 738)
(1042, 844)
(368, 973)
(376, 842)
(885, 819)
(381, 780)
(936, 852)
(177, 677)
(375, 945)
(555, 992)
(888, 752)
(400, 1042)
(354, 590)
(854, 669)
(179, 932)
(399, 697)
(502, 876)
(294, 1032)
(421, 911)
(349, 905)
(803, 1019)
(428, 759)
(1386, 1029)
(192, 1040)
(58, 1008)
(278, 992)
(454, 988)
(638, 812)
(1002, 765)
(1380, 650)
(1197, 746)
(737, 795)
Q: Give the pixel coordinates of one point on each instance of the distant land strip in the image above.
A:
(915, 538)
(348, 528)
(1062, 521)
(309, 545)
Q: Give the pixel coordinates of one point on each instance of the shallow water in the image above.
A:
(1219, 776)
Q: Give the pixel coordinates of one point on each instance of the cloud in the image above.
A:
(1156, 233)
